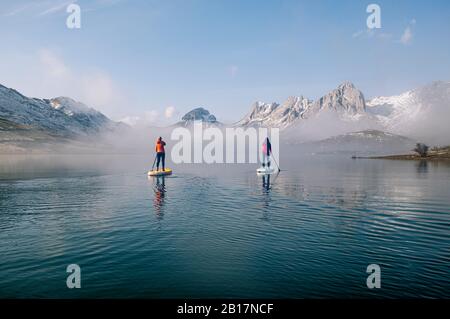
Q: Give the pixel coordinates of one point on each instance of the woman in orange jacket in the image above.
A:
(160, 153)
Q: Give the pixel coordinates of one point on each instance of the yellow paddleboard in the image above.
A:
(167, 171)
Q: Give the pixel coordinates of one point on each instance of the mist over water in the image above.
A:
(222, 231)
(327, 124)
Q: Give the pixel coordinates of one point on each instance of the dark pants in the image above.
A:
(160, 157)
(266, 160)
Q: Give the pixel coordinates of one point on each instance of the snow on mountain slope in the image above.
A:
(422, 112)
(61, 116)
(346, 100)
(85, 117)
(70, 106)
(275, 115)
(395, 111)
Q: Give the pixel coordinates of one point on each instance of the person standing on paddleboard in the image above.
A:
(160, 153)
(266, 150)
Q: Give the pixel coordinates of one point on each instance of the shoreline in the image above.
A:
(408, 157)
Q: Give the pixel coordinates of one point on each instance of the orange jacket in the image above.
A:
(160, 146)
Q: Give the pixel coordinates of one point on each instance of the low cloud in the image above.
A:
(326, 124)
(361, 33)
(94, 87)
(98, 89)
(148, 118)
(170, 112)
(54, 65)
(130, 120)
(151, 116)
(408, 35)
(46, 74)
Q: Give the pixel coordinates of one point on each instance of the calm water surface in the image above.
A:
(221, 231)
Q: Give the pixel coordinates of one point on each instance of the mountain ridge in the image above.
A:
(420, 112)
(61, 116)
(345, 99)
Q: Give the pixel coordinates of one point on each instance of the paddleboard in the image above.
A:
(167, 171)
(266, 170)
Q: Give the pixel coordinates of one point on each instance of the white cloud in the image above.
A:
(52, 63)
(148, 118)
(151, 116)
(94, 88)
(406, 36)
(358, 34)
(46, 74)
(130, 120)
(170, 112)
(98, 89)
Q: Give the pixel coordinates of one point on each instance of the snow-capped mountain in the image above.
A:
(60, 116)
(70, 106)
(421, 111)
(198, 114)
(346, 100)
(275, 115)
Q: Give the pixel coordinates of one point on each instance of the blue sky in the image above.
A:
(156, 60)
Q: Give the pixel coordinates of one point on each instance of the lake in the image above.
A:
(220, 231)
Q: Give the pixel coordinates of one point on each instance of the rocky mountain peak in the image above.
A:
(198, 114)
(274, 114)
(346, 85)
(346, 99)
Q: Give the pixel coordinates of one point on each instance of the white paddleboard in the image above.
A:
(266, 170)
(167, 171)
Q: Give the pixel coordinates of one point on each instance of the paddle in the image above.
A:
(154, 162)
(279, 170)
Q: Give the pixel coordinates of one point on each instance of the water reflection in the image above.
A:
(266, 196)
(422, 167)
(266, 183)
(160, 192)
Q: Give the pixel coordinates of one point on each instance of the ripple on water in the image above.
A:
(310, 233)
